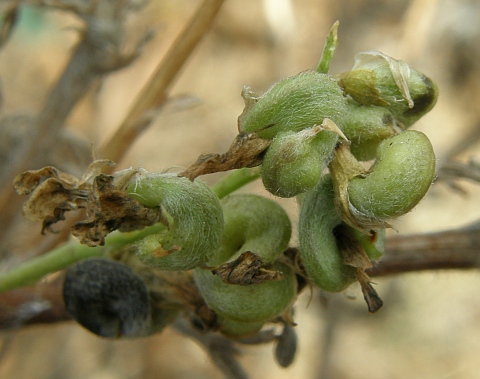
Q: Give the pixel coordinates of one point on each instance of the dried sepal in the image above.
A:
(246, 270)
(253, 303)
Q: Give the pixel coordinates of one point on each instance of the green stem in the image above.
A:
(331, 43)
(63, 256)
(235, 180)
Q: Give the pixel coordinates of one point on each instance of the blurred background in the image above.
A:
(429, 326)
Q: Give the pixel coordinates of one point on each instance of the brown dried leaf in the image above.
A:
(246, 270)
(109, 209)
(245, 151)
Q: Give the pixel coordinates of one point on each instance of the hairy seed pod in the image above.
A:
(365, 127)
(107, 297)
(318, 247)
(293, 104)
(194, 217)
(377, 79)
(248, 304)
(252, 223)
(295, 161)
(399, 179)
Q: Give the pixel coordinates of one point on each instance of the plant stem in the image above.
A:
(331, 43)
(235, 180)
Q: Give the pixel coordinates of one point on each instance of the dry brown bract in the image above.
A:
(246, 270)
(245, 151)
(52, 193)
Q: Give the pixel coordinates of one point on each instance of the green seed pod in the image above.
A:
(194, 217)
(293, 104)
(107, 297)
(252, 223)
(365, 127)
(377, 79)
(398, 180)
(248, 304)
(321, 256)
(295, 161)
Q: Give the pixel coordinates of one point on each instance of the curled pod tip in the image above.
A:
(398, 180)
(321, 256)
(249, 304)
(295, 161)
(252, 223)
(107, 298)
(293, 104)
(195, 221)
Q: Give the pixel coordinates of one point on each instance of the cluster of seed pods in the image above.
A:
(320, 126)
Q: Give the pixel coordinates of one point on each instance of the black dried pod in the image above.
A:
(286, 348)
(107, 297)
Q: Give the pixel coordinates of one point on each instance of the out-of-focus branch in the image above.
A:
(97, 53)
(451, 249)
(154, 93)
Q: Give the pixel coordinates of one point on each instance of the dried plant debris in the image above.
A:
(53, 192)
(374, 302)
(109, 209)
(354, 255)
(246, 270)
(246, 151)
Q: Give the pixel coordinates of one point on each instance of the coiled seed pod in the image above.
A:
(194, 217)
(365, 127)
(252, 223)
(108, 298)
(293, 104)
(399, 179)
(377, 79)
(259, 225)
(295, 161)
(248, 304)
